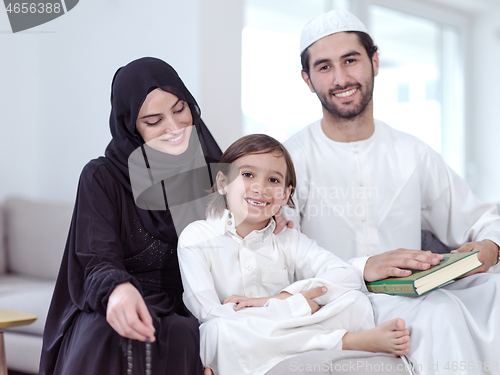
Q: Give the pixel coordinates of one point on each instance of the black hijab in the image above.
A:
(131, 84)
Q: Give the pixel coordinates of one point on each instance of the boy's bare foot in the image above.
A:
(389, 337)
(208, 371)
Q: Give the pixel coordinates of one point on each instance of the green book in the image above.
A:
(451, 267)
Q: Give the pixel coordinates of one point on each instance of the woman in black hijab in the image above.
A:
(119, 282)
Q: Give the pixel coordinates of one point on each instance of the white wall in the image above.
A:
(483, 134)
(220, 43)
(55, 85)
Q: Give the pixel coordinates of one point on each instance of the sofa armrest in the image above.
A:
(3, 253)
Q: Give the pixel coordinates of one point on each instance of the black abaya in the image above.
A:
(112, 241)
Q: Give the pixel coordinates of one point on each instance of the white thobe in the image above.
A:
(216, 263)
(375, 195)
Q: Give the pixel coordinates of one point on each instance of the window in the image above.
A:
(418, 64)
(274, 99)
(419, 88)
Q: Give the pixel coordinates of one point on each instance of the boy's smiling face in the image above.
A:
(258, 191)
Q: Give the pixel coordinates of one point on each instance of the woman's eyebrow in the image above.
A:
(159, 114)
(178, 100)
(152, 115)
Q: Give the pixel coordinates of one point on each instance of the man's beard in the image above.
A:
(346, 113)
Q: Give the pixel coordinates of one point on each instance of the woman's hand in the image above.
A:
(128, 315)
(242, 301)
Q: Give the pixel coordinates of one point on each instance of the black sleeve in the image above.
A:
(96, 246)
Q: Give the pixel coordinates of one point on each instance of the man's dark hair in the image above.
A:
(365, 39)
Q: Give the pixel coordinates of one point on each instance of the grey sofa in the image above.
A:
(32, 240)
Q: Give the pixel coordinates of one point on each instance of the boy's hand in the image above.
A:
(313, 293)
(242, 301)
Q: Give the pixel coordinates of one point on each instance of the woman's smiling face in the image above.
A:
(165, 122)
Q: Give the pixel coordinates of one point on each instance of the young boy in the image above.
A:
(263, 297)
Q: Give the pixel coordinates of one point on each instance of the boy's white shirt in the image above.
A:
(216, 263)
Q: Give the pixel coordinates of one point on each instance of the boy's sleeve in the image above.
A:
(315, 267)
(200, 295)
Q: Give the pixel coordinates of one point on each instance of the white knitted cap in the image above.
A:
(329, 23)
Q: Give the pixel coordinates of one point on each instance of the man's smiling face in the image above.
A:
(341, 74)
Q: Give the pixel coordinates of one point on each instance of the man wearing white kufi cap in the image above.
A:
(329, 23)
(365, 189)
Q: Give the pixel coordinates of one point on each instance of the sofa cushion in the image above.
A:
(36, 234)
(27, 295)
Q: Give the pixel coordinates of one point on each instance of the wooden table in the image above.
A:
(8, 319)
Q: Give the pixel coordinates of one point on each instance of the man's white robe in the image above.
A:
(363, 198)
